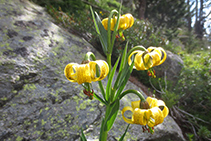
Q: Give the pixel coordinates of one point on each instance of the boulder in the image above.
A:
(171, 68)
(37, 102)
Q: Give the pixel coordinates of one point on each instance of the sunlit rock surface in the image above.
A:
(37, 102)
(171, 68)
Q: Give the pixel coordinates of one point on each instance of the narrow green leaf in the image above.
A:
(103, 33)
(110, 79)
(125, 74)
(102, 89)
(125, 80)
(124, 59)
(122, 137)
(121, 76)
(82, 137)
(122, 68)
(112, 116)
(100, 30)
(95, 23)
(116, 84)
(100, 99)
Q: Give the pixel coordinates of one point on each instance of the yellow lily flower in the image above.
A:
(147, 59)
(151, 117)
(125, 21)
(82, 73)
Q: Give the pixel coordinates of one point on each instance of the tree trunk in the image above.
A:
(189, 17)
(199, 24)
(196, 11)
(142, 8)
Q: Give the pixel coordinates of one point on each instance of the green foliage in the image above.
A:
(143, 32)
(19, 138)
(166, 13)
(109, 4)
(170, 98)
(112, 116)
(70, 6)
(166, 91)
(204, 132)
(192, 44)
(190, 136)
(194, 85)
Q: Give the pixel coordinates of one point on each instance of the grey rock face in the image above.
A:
(37, 102)
(171, 68)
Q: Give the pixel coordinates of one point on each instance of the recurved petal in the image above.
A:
(93, 70)
(153, 102)
(130, 19)
(164, 55)
(165, 110)
(70, 72)
(129, 58)
(105, 23)
(156, 117)
(151, 49)
(147, 114)
(124, 118)
(113, 22)
(140, 66)
(135, 104)
(123, 23)
(141, 116)
(103, 69)
(138, 117)
(156, 58)
(83, 74)
(148, 61)
(138, 61)
(157, 51)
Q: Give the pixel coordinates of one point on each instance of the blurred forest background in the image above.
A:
(180, 26)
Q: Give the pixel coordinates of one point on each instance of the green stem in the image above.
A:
(109, 61)
(87, 86)
(103, 132)
(109, 31)
(104, 135)
(88, 55)
(102, 89)
(134, 92)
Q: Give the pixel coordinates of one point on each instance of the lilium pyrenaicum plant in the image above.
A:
(146, 112)
(86, 73)
(145, 60)
(150, 116)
